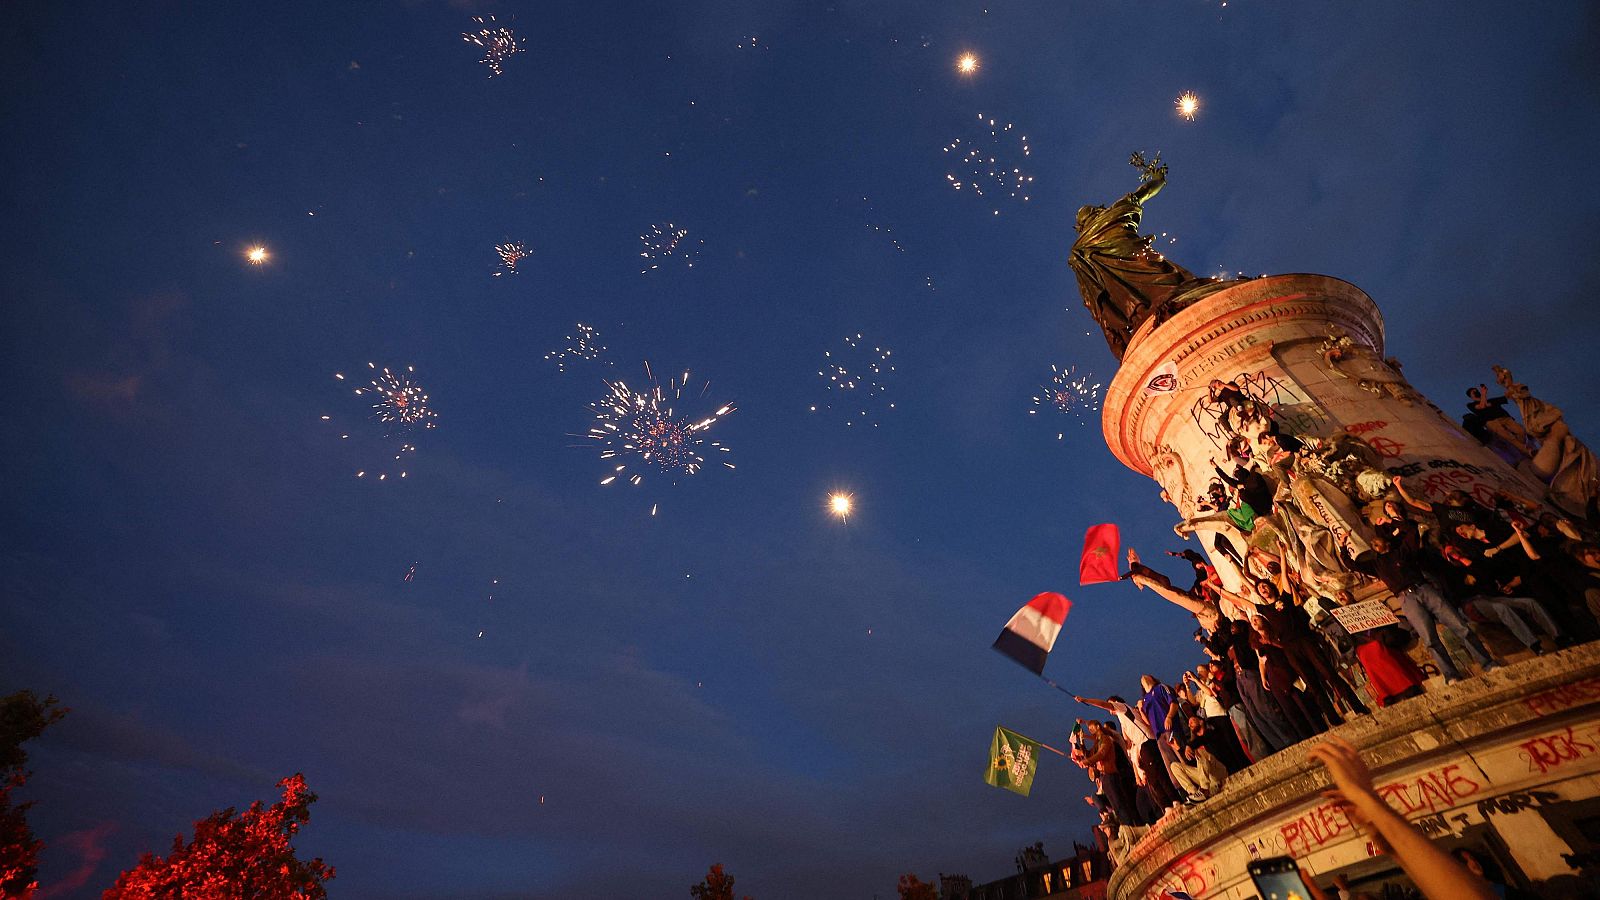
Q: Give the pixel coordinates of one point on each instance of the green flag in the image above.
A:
(1012, 761)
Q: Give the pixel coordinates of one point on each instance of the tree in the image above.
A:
(234, 857)
(23, 716)
(718, 885)
(913, 888)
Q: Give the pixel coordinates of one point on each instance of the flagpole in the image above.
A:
(1051, 749)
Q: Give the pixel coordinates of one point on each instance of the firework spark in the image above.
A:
(990, 164)
(497, 42)
(856, 377)
(511, 253)
(840, 504)
(411, 573)
(257, 255)
(967, 64)
(1188, 104)
(401, 406)
(585, 345)
(642, 429)
(664, 242)
(1068, 393)
(885, 230)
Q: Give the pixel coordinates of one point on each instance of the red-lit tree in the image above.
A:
(718, 885)
(22, 717)
(234, 857)
(913, 888)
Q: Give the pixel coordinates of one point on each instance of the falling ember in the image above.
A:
(256, 255)
(511, 253)
(664, 242)
(988, 163)
(840, 504)
(585, 345)
(1188, 105)
(856, 377)
(642, 428)
(967, 64)
(497, 42)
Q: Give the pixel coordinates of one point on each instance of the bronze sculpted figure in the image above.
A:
(1124, 281)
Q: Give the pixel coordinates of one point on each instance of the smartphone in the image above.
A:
(1277, 878)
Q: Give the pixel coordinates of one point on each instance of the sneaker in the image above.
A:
(1493, 667)
(1452, 679)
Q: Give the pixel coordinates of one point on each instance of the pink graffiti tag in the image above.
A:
(1564, 697)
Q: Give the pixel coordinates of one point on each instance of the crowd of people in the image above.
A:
(1303, 526)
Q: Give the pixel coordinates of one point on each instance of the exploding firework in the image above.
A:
(642, 429)
(585, 345)
(989, 164)
(511, 253)
(397, 401)
(1188, 105)
(665, 242)
(840, 504)
(967, 64)
(256, 255)
(1068, 393)
(401, 406)
(856, 377)
(497, 42)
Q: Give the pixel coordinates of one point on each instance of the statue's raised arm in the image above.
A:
(1125, 281)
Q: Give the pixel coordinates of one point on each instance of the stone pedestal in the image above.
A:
(1269, 336)
(1506, 763)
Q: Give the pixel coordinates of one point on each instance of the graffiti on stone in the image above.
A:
(1552, 751)
(1277, 395)
(1516, 802)
(1564, 697)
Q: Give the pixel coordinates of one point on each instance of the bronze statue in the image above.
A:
(1124, 281)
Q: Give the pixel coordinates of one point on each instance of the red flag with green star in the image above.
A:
(1100, 546)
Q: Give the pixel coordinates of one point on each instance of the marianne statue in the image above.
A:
(1124, 281)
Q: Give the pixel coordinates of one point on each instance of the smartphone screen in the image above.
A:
(1279, 885)
(1277, 879)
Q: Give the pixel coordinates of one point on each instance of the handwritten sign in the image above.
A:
(1364, 616)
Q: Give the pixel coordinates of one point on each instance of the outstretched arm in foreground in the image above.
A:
(1435, 873)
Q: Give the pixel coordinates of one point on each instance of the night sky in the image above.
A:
(191, 564)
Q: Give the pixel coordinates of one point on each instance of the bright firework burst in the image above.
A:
(511, 253)
(643, 429)
(1188, 105)
(1068, 393)
(967, 64)
(856, 377)
(585, 345)
(400, 405)
(497, 42)
(840, 504)
(664, 242)
(990, 164)
(256, 255)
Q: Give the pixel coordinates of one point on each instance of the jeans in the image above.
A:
(1506, 610)
(1423, 605)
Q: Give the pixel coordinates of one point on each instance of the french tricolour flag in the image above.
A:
(1031, 633)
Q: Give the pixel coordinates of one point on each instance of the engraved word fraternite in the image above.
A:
(1124, 281)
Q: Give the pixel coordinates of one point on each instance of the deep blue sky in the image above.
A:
(189, 563)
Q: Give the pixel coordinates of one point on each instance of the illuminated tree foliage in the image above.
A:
(913, 888)
(718, 885)
(22, 717)
(233, 857)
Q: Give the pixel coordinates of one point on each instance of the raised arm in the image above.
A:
(1433, 871)
(1400, 485)
(1097, 704)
